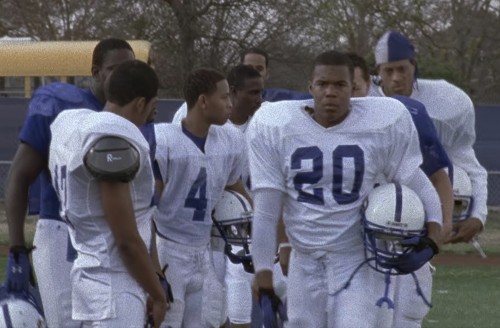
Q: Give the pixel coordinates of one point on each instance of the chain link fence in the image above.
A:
(493, 185)
(4, 169)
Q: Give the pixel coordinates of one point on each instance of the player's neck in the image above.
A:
(237, 117)
(195, 125)
(127, 112)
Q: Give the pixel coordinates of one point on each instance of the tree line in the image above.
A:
(455, 39)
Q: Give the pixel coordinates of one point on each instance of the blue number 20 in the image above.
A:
(314, 176)
(199, 203)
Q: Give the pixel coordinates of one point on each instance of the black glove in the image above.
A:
(19, 273)
(424, 250)
(273, 310)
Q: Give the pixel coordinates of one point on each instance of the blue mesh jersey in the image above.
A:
(433, 153)
(46, 103)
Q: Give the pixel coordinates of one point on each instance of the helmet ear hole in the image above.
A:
(392, 212)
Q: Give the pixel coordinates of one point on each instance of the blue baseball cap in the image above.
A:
(393, 46)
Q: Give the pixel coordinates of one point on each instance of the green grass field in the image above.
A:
(463, 296)
(468, 296)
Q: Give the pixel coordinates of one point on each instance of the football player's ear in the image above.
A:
(140, 104)
(95, 71)
(310, 87)
(202, 101)
(232, 90)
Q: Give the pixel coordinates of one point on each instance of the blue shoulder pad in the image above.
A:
(62, 91)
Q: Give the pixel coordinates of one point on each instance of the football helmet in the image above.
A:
(391, 213)
(232, 219)
(462, 194)
(20, 310)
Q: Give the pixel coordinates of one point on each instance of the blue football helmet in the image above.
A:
(21, 309)
(462, 194)
(390, 214)
(232, 219)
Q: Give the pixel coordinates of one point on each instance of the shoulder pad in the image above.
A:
(112, 159)
(63, 91)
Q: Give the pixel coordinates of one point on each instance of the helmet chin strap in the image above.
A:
(386, 299)
(245, 260)
(387, 279)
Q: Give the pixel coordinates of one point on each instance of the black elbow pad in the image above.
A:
(112, 159)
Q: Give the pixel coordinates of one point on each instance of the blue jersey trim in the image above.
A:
(433, 153)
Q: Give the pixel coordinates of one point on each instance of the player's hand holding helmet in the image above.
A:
(424, 250)
(394, 230)
(19, 274)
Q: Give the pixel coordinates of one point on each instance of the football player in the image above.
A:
(246, 86)
(259, 60)
(101, 171)
(53, 255)
(197, 160)
(451, 110)
(435, 165)
(318, 160)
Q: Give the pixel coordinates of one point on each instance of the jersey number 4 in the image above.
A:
(197, 196)
(314, 176)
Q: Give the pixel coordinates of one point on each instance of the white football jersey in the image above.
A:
(194, 180)
(452, 113)
(326, 173)
(73, 134)
(180, 113)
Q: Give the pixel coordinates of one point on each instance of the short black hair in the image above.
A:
(333, 58)
(254, 50)
(360, 62)
(105, 46)
(199, 82)
(239, 74)
(129, 80)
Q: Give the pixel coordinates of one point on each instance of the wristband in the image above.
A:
(283, 245)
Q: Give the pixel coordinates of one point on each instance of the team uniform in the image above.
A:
(324, 175)
(452, 113)
(236, 280)
(239, 282)
(53, 255)
(104, 293)
(194, 181)
(409, 308)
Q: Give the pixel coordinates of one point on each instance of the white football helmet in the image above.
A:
(390, 213)
(19, 311)
(232, 219)
(462, 194)
(233, 215)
